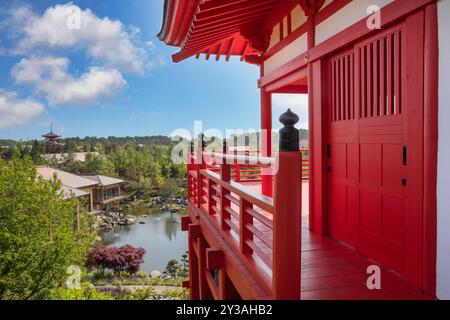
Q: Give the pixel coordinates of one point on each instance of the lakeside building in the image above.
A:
(376, 73)
(107, 190)
(97, 190)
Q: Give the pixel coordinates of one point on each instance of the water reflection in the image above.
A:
(158, 233)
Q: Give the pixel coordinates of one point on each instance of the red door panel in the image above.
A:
(369, 181)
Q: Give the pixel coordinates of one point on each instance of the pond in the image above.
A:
(160, 236)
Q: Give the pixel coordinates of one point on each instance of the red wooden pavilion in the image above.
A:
(370, 70)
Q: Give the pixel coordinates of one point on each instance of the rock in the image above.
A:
(155, 274)
(130, 219)
(142, 222)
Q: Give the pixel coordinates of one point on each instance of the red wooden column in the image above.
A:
(225, 175)
(431, 136)
(318, 145)
(266, 139)
(287, 219)
(201, 164)
(193, 235)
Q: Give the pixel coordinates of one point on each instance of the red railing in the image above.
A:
(252, 172)
(244, 216)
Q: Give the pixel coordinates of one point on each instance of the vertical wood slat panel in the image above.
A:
(389, 77)
(341, 73)
(341, 90)
(352, 84)
(397, 66)
(369, 65)
(380, 82)
(333, 91)
(363, 95)
(383, 77)
(376, 77)
(349, 86)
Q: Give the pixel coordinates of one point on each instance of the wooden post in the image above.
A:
(244, 219)
(194, 232)
(201, 164)
(225, 175)
(266, 150)
(288, 213)
(237, 173)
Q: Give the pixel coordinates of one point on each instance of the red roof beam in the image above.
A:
(264, 10)
(205, 35)
(248, 6)
(220, 24)
(211, 5)
(218, 51)
(244, 51)
(209, 40)
(230, 48)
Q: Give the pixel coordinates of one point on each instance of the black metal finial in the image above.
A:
(289, 136)
(224, 145)
(201, 141)
(191, 144)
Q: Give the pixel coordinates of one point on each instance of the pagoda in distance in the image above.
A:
(51, 138)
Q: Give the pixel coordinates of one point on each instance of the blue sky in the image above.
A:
(112, 76)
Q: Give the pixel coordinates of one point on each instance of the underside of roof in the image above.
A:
(220, 27)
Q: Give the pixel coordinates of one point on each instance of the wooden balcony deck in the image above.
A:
(242, 217)
(331, 270)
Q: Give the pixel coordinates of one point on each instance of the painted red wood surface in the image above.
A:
(375, 168)
(329, 268)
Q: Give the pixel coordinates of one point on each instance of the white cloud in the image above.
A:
(49, 76)
(298, 103)
(15, 111)
(107, 42)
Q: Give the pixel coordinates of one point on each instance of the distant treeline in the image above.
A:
(92, 141)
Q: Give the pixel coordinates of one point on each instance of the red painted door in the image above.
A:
(374, 147)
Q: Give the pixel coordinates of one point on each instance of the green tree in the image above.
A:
(172, 268)
(38, 241)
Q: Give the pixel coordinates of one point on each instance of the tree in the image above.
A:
(38, 241)
(126, 259)
(185, 265)
(169, 188)
(172, 268)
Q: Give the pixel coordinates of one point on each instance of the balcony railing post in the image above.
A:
(189, 168)
(225, 175)
(237, 173)
(245, 219)
(201, 164)
(287, 216)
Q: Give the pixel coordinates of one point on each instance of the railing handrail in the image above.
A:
(242, 159)
(253, 197)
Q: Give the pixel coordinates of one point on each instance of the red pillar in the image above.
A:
(288, 213)
(204, 292)
(266, 139)
(318, 146)
(194, 232)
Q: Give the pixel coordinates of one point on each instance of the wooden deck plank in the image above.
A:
(332, 270)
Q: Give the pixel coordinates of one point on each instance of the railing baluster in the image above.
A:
(244, 233)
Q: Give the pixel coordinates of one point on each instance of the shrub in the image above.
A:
(172, 268)
(125, 259)
(86, 292)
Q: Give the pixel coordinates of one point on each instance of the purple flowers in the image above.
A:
(126, 259)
